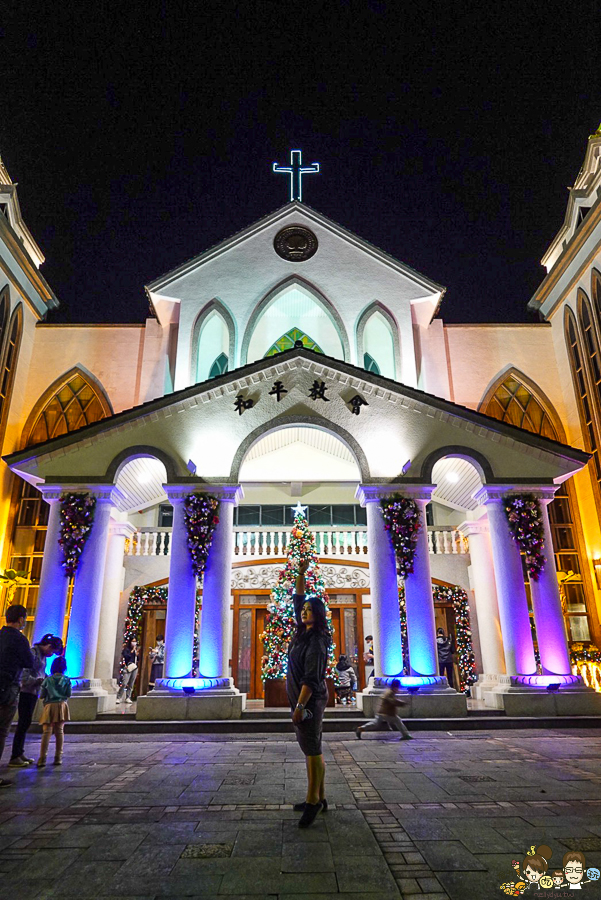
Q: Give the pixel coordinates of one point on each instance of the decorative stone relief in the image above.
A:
(295, 243)
(265, 577)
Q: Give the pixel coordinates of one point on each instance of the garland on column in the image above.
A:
(526, 526)
(535, 646)
(404, 640)
(466, 661)
(76, 518)
(201, 518)
(141, 597)
(402, 521)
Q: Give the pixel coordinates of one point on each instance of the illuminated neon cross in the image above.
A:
(296, 170)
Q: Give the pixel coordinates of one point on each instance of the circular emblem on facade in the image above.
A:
(295, 243)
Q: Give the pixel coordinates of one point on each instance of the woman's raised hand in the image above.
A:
(303, 566)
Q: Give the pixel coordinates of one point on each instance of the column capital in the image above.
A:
(491, 492)
(225, 493)
(373, 493)
(480, 526)
(122, 529)
(104, 493)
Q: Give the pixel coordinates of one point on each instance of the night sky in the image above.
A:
(447, 133)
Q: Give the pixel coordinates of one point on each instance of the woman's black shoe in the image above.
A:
(300, 807)
(309, 814)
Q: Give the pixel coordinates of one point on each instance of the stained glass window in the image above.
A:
(74, 405)
(370, 365)
(288, 340)
(219, 366)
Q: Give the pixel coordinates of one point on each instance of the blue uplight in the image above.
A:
(545, 680)
(191, 685)
(409, 680)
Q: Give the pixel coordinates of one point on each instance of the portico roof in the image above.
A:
(397, 436)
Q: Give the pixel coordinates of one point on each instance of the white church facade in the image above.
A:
(296, 362)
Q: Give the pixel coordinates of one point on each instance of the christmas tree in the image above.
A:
(280, 624)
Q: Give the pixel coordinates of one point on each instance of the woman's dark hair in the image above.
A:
(57, 645)
(320, 621)
(343, 663)
(160, 637)
(59, 666)
(540, 861)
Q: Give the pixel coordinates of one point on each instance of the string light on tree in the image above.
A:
(280, 623)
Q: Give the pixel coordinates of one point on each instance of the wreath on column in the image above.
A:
(403, 522)
(525, 520)
(201, 518)
(76, 519)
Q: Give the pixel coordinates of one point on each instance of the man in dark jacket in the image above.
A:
(31, 681)
(445, 645)
(15, 655)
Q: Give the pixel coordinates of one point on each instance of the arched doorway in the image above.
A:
(283, 467)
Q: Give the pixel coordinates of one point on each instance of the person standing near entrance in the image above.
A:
(368, 658)
(307, 692)
(157, 661)
(445, 646)
(31, 682)
(15, 655)
(129, 660)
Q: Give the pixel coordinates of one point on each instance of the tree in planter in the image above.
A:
(280, 623)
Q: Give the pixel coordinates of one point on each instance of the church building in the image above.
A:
(296, 363)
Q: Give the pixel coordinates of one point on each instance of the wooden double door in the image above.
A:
(250, 612)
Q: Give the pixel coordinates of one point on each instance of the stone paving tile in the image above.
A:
(131, 814)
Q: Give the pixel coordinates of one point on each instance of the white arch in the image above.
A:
(378, 335)
(213, 333)
(294, 304)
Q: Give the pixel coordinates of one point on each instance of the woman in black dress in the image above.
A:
(307, 692)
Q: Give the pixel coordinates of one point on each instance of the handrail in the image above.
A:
(259, 542)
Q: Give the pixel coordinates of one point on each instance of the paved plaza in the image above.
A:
(144, 816)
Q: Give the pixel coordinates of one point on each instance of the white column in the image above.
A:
(546, 604)
(111, 592)
(509, 579)
(384, 591)
(181, 601)
(54, 583)
(485, 593)
(217, 589)
(84, 621)
(421, 624)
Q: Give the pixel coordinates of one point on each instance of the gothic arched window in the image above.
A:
(591, 344)
(289, 339)
(8, 364)
(580, 379)
(213, 338)
(514, 400)
(4, 307)
(71, 402)
(219, 366)
(76, 403)
(370, 365)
